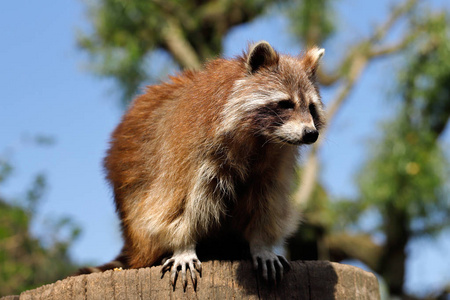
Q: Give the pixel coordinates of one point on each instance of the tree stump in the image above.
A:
(220, 280)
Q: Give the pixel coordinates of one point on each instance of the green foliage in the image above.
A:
(312, 20)
(124, 32)
(26, 261)
(408, 170)
(425, 83)
(5, 169)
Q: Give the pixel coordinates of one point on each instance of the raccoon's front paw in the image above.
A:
(180, 261)
(266, 260)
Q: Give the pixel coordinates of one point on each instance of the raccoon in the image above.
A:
(209, 156)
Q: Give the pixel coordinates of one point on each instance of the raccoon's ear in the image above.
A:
(311, 60)
(261, 55)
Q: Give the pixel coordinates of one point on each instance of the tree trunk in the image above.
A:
(392, 264)
(220, 280)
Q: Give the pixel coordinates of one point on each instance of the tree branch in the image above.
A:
(307, 179)
(327, 79)
(397, 12)
(379, 34)
(361, 247)
(389, 49)
(358, 64)
(381, 51)
(175, 10)
(179, 47)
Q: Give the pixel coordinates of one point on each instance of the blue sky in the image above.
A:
(45, 89)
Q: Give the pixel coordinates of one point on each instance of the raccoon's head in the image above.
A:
(278, 98)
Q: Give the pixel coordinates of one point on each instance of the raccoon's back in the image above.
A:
(167, 128)
(134, 141)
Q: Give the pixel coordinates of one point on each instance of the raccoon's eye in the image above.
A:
(313, 110)
(286, 104)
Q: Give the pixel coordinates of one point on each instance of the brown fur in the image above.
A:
(194, 158)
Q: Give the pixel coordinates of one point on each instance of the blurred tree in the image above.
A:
(312, 20)
(404, 181)
(26, 261)
(125, 33)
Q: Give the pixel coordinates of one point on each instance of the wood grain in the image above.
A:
(220, 280)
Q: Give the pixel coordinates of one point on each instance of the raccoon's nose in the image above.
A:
(310, 135)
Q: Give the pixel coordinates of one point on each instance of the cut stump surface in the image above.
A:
(220, 280)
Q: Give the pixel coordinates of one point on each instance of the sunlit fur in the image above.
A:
(212, 147)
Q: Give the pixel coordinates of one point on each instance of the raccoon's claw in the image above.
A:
(270, 263)
(180, 261)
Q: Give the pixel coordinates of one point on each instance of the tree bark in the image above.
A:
(393, 259)
(220, 280)
(179, 47)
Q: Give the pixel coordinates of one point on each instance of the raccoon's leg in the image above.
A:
(180, 261)
(264, 257)
(201, 211)
(271, 220)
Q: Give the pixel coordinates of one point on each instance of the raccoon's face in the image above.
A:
(279, 98)
(293, 118)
